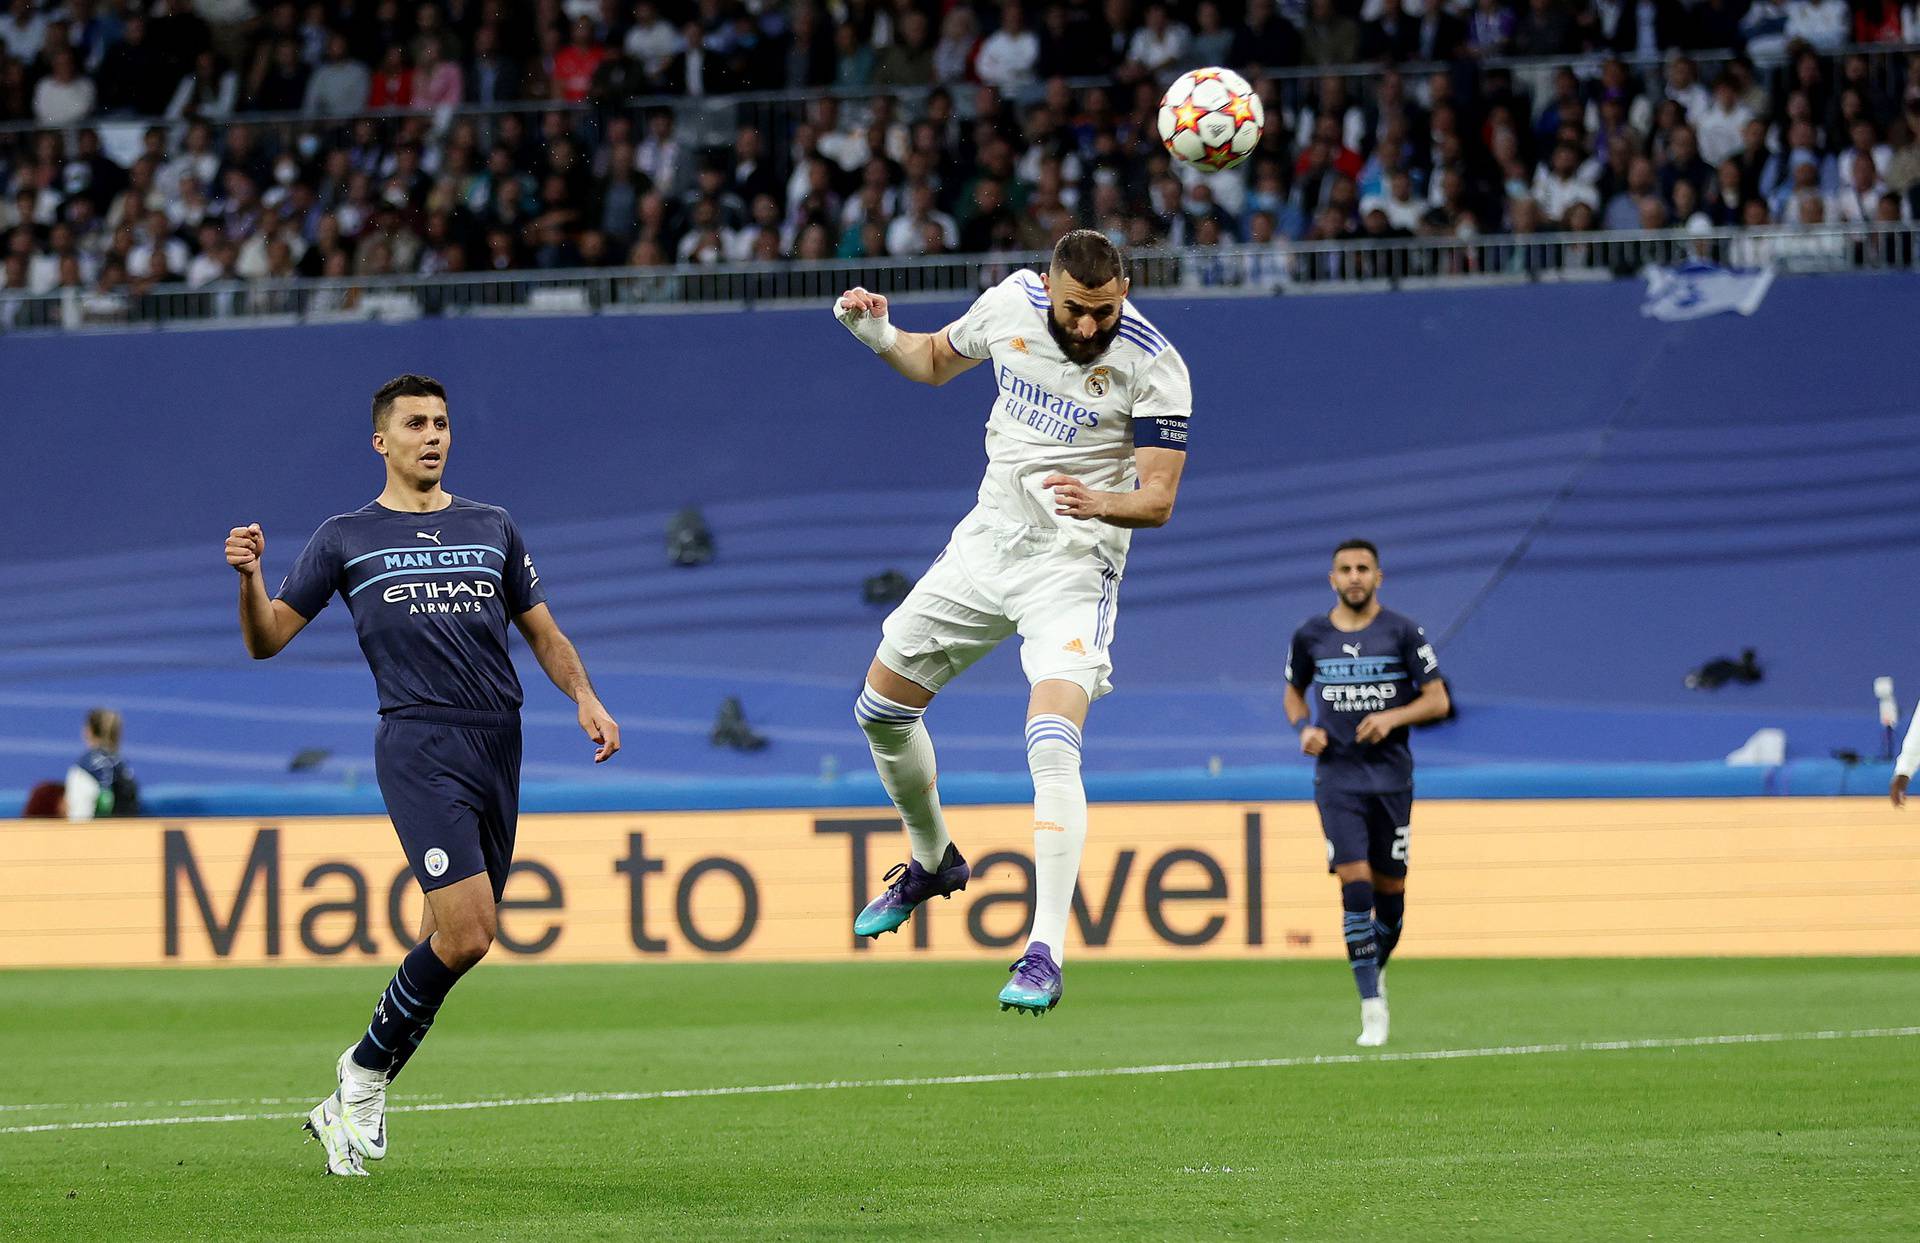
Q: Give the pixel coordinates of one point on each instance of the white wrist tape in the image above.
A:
(876, 333)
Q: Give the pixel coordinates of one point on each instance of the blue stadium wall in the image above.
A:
(1580, 504)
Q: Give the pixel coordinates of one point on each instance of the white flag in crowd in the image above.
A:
(1698, 289)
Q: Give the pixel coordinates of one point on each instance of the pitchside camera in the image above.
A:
(689, 538)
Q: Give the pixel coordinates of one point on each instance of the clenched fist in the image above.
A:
(865, 316)
(244, 548)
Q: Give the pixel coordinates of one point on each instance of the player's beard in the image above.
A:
(1081, 352)
(1360, 605)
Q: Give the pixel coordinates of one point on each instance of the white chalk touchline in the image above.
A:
(43, 1106)
(1020, 1076)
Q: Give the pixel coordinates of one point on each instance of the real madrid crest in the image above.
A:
(1097, 381)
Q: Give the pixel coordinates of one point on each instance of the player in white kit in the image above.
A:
(1086, 441)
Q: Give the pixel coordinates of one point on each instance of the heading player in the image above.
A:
(1375, 674)
(431, 580)
(1085, 442)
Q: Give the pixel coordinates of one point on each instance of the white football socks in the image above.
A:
(1059, 825)
(903, 755)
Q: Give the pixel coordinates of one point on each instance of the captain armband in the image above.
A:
(1169, 432)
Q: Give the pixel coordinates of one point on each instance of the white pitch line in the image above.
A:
(43, 1106)
(1022, 1076)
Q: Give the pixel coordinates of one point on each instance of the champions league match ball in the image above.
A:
(1210, 119)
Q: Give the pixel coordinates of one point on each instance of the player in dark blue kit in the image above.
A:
(432, 580)
(1373, 674)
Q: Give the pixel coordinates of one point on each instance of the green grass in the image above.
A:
(1803, 1139)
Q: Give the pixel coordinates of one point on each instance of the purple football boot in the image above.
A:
(1035, 987)
(908, 885)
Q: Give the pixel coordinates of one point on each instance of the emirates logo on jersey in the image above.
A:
(1097, 381)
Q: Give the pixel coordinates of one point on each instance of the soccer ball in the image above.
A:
(1210, 119)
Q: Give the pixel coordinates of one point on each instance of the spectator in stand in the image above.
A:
(653, 41)
(1648, 27)
(339, 84)
(1266, 39)
(1007, 57)
(135, 75)
(852, 59)
(660, 155)
(1490, 29)
(1159, 47)
(1725, 203)
(1544, 29)
(1857, 200)
(575, 64)
(23, 31)
(1721, 126)
(1559, 185)
(1212, 42)
(492, 77)
(1714, 24)
(1825, 24)
(437, 82)
(953, 55)
(392, 81)
(63, 96)
(282, 87)
(1330, 37)
(1683, 163)
(211, 90)
(1763, 28)
(908, 60)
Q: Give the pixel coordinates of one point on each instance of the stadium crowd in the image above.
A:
(200, 141)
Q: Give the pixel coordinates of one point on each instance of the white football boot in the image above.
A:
(328, 1124)
(363, 1101)
(1373, 1022)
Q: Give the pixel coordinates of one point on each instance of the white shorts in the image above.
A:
(994, 581)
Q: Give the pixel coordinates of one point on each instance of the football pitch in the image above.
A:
(1581, 1099)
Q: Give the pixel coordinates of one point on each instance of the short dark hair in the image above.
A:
(1365, 545)
(1088, 257)
(408, 385)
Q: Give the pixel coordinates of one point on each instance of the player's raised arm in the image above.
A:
(923, 357)
(266, 626)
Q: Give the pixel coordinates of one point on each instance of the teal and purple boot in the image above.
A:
(1035, 987)
(908, 885)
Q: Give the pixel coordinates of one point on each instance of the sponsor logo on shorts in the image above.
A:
(1075, 646)
(436, 862)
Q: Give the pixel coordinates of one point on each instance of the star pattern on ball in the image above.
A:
(1215, 131)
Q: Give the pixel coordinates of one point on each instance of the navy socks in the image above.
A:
(405, 1010)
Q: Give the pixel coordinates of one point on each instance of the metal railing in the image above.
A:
(1290, 268)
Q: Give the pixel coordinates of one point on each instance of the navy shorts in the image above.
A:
(1370, 827)
(451, 779)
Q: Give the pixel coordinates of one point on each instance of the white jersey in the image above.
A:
(1053, 415)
